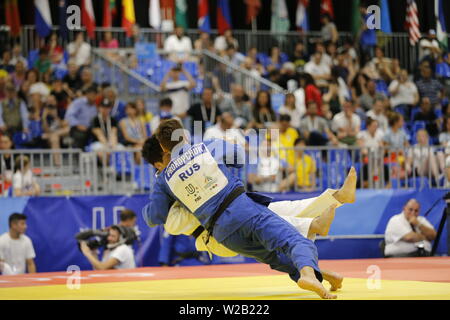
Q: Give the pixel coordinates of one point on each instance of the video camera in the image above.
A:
(99, 238)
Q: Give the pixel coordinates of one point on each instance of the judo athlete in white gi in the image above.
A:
(202, 183)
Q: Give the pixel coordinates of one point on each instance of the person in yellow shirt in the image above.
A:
(303, 173)
(287, 137)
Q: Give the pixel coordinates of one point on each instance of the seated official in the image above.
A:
(407, 234)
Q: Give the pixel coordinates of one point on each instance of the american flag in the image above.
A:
(412, 22)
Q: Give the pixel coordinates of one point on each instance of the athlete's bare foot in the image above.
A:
(308, 281)
(346, 194)
(335, 279)
(321, 224)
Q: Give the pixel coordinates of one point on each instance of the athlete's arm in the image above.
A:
(156, 211)
(180, 220)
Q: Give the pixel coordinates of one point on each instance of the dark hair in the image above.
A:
(257, 107)
(90, 89)
(165, 131)
(299, 139)
(127, 214)
(284, 117)
(132, 105)
(308, 79)
(16, 217)
(152, 151)
(393, 117)
(165, 102)
(369, 121)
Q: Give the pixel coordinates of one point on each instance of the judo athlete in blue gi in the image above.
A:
(197, 176)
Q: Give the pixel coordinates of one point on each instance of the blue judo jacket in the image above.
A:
(198, 176)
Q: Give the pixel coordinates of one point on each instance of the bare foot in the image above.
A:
(335, 279)
(308, 281)
(346, 194)
(321, 224)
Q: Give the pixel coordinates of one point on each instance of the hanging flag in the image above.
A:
(42, 18)
(441, 30)
(326, 7)
(167, 14)
(62, 16)
(203, 16)
(181, 13)
(412, 22)
(88, 17)
(253, 7)
(280, 16)
(385, 17)
(12, 17)
(154, 14)
(355, 18)
(128, 17)
(108, 6)
(301, 16)
(223, 16)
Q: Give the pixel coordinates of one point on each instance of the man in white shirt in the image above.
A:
(118, 255)
(407, 234)
(224, 130)
(429, 46)
(80, 50)
(377, 113)
(16, 249)
(178, 46)
(347, 124)
(319, 70)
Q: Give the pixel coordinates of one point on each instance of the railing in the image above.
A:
(124, 172)
(396, 45)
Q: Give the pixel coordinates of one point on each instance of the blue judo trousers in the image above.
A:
(199, 177)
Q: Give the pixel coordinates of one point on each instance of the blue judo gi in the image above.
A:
(198, 177)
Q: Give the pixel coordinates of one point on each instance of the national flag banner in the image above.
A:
(280, 16)
(441, 30)
(13, 17)
(203, 16)
(385, 17)
(326, 7)
(107, 14)
(223, 16)
(154, 14)
(88, 17)
(301, 16)
(128, 16)
(62, 17)
(253, 7)
(181, 13)
(42, 18)
(412, 22)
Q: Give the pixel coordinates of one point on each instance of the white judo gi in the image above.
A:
(299, 213)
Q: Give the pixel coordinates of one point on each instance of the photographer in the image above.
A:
(118, 255)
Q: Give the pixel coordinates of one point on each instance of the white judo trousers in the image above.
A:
(299, 213)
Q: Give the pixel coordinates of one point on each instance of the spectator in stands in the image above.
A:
(165, 112)
(6, 163)
(347, 124)
(203, 42)
(266, 175)
(288, 77)
(424, 160)
(32, 77)
(332, 100)
(35, 132)
(444, 140)
(133, 129)
(319, 70)
(395, 137)
(178, 90)
(427, 114)
(238, 105)
(136, 36)
(79, 115)
(367, 37)
(248, 83)
(377, 112)
(289, 108)
(233, 55)
(205, 112)
(17, 56)
(118, 107)
(80, 50)
(178, 46)
(3, 80)
(61, 95)
(442, 72)
(19, 74)
(225, 77)
(329, 31)
(87, 80)
(369, 93)
(54, 127)
(311, 92)
(222, 42)
(326, 59)
(379, 67)
(407, 234)
(104, 133)
(287, 137)
(54, 50)
(343, 69)
(275, 60)
(118, 255)
(5, 63)
(13, 112)
(108, 41)
(429, 87)
(145, 116)
(315, 129)
(263, 114)
(224, 130)
(303, 173)
(429, 48)
(72, 81)
(24, 183)
(404, 94)
(299, 57)
(16, 249)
